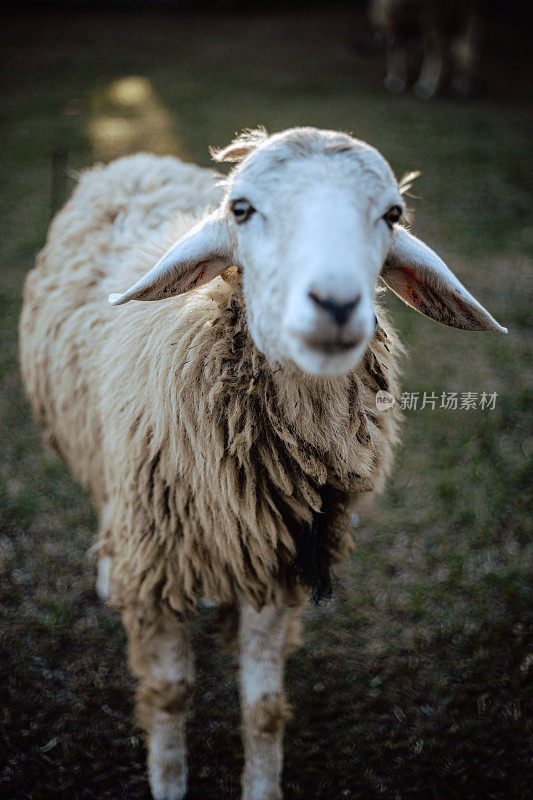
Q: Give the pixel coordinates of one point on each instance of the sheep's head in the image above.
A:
(314, 219)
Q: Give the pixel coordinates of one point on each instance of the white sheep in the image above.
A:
(447, 31)
(224, 432)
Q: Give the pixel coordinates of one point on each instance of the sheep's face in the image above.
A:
(311, 232)
(311, 217)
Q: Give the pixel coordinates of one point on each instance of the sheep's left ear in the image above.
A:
(193, 260)
(422, 280)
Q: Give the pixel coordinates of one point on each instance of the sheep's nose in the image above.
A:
(339, 312)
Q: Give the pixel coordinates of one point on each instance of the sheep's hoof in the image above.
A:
(425, 90)
(260, 791)
(167, 774)
(395, 84)
(174, 792)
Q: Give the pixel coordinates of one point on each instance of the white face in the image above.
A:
(312, 246)
(311, 217)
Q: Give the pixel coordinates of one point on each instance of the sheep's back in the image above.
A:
(113, 228)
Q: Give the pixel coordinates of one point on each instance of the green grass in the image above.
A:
(413, 683)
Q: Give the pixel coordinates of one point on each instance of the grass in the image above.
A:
(414, 680)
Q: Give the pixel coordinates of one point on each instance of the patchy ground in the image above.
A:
(414, 681)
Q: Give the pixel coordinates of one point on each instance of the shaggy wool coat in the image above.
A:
(214, 472)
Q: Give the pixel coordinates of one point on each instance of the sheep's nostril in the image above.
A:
(340, 312)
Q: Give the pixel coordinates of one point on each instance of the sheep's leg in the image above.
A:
(463, 53)
(431, 74)
(433, 66)
(163, 663)
(397, 67)
(263, 643)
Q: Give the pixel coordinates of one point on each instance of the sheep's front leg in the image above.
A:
(434, 65)
(397, 61)
(463, 52)
(263, 640)
(162, 661)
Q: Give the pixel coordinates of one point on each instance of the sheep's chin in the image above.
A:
(324, 364)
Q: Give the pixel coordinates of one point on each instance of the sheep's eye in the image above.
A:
(393, 215)
(241, 210)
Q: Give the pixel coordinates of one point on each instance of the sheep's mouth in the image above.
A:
(331, 348)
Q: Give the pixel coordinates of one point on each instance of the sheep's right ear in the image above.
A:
(193, 260)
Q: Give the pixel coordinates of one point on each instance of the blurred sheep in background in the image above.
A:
(431, 43)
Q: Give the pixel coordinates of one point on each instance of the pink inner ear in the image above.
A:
(444, 307)
(202, 273)
(421, 279)
(200, 276)
(425, 289)
(409, 285)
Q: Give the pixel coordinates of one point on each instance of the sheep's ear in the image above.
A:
(422, 280)
(193, 260)
(240, 147)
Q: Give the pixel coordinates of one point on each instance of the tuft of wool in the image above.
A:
(207, 464)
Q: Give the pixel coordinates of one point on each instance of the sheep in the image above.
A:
(226, 432)
(447, 30)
